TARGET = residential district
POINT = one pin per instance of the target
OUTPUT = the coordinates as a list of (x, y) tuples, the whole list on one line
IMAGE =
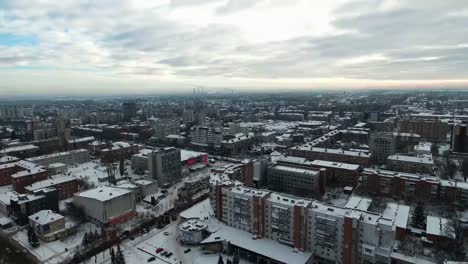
[(336, 177)]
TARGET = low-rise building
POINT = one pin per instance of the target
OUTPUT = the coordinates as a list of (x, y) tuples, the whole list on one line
[(24, 178), (47, 225), (106, 205), (65, 185)]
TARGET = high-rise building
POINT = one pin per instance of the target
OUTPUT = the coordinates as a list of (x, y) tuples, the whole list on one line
[(460, 138), (381, 146), (11, 112), (129, 110), (165, 166)]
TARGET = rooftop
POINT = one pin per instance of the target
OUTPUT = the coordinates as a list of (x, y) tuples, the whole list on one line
[(412, 159), (439, 226), (50, 182), (265, 247), (337, 165), (295, 170), (357, 202), (103, 193), (19, 148), (45, 217)]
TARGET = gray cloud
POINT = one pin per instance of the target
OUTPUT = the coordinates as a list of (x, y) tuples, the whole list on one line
[(369, 40)]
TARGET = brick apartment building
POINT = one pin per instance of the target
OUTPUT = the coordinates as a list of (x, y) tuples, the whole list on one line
[(334, 234), (400, 185), (24, 178), (65, 185), (117, 151), (431, 130), (337, 155)]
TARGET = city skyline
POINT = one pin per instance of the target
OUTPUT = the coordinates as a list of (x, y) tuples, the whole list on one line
[(138, 47)]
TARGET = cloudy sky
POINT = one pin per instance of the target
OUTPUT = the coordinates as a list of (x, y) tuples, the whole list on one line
[(144, 46)]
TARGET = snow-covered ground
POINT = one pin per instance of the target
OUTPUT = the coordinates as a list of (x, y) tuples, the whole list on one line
[(144, 247), (55, 251)]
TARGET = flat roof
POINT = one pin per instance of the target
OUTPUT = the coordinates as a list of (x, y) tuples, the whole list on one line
[(19, 148), (296, 170), (45, 217), (358, 202), (288, 200), (333, 151), (337, 165), (439, 226), (188, 154), (50, 182), (399, 212), (103, 193), (265, 247), (28, 172), (412, 159)]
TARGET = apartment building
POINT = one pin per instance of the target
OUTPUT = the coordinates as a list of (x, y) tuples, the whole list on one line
[(400, 185), (337, 155), (411, 164), (165, 166), (285, 220), (24, 178), (71, 157), (65, 185), (22, 152), (333, 234), (206, 136), (432, 130), (338, 173), (243, 208), (118, 151), (297, 181)]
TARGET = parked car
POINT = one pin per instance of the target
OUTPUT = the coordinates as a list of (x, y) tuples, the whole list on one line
[(159, 250), (151, 259), (187, 250)]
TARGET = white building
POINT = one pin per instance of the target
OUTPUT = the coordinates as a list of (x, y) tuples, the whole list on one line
[(106, 205)]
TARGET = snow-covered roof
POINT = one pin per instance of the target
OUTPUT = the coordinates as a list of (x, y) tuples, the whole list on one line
[(201, 210), (296, 170), (264, 246), (193, 225), (45, 217), (188, 154), (75, 151), (439, 226), (50, 182), (358, 202), (398, 212), (333, 151), (28, 172), (103, 193), (288, 200), (8, 158), (337, 165), (412, 159), (19, 148)]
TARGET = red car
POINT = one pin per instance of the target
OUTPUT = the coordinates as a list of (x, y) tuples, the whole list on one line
[(159, 250)]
